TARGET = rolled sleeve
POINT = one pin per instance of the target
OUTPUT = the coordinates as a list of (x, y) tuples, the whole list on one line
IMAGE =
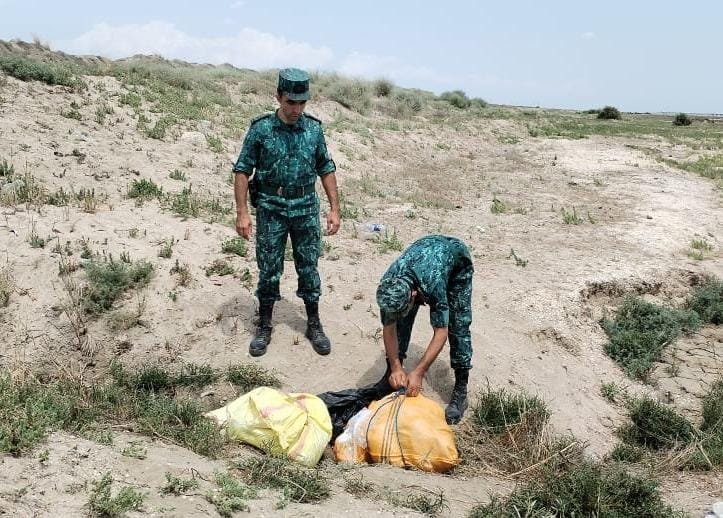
[(324, 164)]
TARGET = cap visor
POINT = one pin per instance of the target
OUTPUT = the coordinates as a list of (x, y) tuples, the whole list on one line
[(298, 97)]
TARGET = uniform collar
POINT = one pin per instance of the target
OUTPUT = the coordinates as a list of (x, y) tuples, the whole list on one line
[(299, 126)]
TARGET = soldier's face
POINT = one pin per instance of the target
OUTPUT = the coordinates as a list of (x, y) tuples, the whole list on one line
[(290, 111)]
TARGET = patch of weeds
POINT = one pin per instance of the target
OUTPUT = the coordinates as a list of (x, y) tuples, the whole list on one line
[(298, 484), (131, 99), (71, 113), (88, 200), (699, 249), (125, 257), (641, 330), (588, 489), (183, 273), (518, 260), (27, 69), (108, 280), (219, 267), (158, 130), (103, 504), (655, 426), (627, 453), (498, 206), (153, 378), (570, 218), (166, 250), (508, 432), (7, 287), (133, 232), (186, 203), (390, 242), (60, 198), (177, 485), (144, 189), (102, 111), (234, 245), (430, 504), (6, 168), (611, 391), (85, 252), (230, 496), (35, 240), (347, 210), (214, 143), (177, 174), (248, 376), (135, 450)]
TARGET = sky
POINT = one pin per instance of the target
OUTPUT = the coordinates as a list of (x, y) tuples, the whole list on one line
[(644, 55)]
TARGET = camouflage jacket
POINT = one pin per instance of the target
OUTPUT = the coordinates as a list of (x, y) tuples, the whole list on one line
[(428, 264), (285, 155)]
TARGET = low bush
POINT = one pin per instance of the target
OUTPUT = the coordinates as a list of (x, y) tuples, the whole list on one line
[(456, 98), (609, 112), (682, 119), (588, 489), (641, 330), (27, 69), (707, 301)]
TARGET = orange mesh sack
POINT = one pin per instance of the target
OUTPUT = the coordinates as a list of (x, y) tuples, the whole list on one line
[(411, 432)]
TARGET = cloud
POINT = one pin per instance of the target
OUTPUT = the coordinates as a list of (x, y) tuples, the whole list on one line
[(371, 66), (238, 4), (248, 48), (588, 35)]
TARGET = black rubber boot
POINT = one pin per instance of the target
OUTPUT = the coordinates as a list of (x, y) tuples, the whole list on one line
[(458, 404), (260, 342), (314, 330)]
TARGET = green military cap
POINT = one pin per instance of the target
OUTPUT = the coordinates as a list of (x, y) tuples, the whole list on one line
[(294, 83), (394, 296)]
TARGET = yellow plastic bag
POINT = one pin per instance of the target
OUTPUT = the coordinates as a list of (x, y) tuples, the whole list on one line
[(297, 425), (411, 432)]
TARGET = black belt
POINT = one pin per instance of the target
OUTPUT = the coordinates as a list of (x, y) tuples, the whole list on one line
[(287, 192)]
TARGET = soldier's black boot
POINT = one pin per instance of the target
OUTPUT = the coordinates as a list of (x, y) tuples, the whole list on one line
[(260, 342), (314, 331), (458, 404)]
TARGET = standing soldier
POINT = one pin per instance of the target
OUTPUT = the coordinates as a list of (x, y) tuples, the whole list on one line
[(286, 151), (434, 270)]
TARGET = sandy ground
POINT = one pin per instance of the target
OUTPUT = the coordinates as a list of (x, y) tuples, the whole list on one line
[(535, 327)]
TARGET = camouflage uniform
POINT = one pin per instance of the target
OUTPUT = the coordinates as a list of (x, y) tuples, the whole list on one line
[(440, 269), (287, 159)]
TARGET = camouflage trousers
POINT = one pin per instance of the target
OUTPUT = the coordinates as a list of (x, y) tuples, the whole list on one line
[(459, 298), (272, 231)]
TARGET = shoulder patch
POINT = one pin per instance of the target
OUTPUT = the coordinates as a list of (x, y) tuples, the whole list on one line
[(312, 117), (261, 117)]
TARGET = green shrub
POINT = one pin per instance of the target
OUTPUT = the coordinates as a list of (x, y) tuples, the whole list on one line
[(144, 189), (640, 331), (248, 376), (589, 489), (27, 69), (383, 87), (299, 484), (108, 280), (682, 119), (655, 426), (707, 301), (456, 98), (609, 112), (234, 245), (497, 410), (351, 94), (103, 504), (627, 453)]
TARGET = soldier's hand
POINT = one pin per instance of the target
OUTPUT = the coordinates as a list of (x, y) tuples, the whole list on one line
[(398, 379), (244, 225), (333, 221), (414, 383)]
